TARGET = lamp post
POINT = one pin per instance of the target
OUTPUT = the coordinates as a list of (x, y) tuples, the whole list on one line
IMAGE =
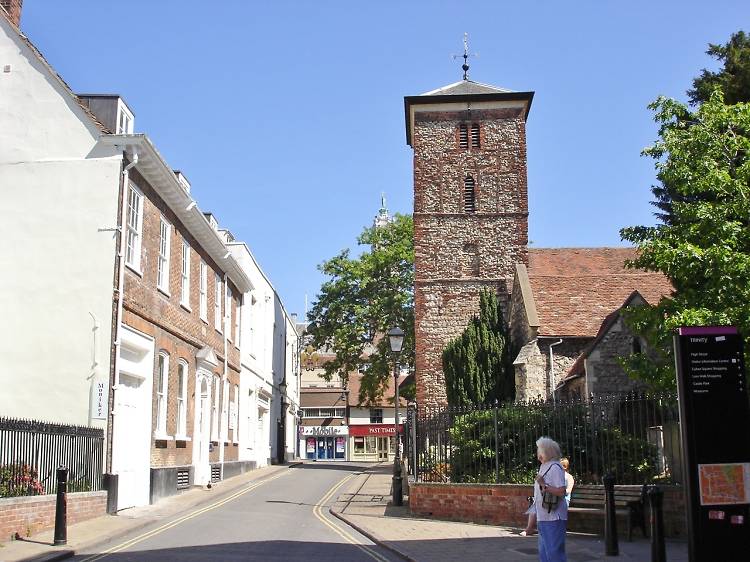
[(396, 340), (281, 429)]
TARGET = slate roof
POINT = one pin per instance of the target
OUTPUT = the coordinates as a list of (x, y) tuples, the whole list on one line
[(321, 397), (576, 288), (464, 87)]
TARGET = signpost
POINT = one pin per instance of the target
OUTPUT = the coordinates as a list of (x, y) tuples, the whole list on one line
[(715, 428)]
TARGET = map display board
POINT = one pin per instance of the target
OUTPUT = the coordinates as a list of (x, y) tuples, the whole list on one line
[(715, 430)]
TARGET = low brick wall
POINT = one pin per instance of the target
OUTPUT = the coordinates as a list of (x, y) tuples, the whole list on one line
[(29, 515), (504, 504)]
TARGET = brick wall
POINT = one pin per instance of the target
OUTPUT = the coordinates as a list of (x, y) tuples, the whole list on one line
[(505, 504), (29, 515), (177, 328), (458, 253)]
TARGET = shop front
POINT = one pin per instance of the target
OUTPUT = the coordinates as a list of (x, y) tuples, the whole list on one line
[(373, 442), (323, 442)]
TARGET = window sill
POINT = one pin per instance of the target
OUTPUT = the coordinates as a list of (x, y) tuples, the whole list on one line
[(163, 437), (186, 307), (182, 438), (164, 292), (134, 269), (204, 320)]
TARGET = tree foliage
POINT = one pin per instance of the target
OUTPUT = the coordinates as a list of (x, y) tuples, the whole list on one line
[(734, 80), (361, 300), (705, 248), (476, 364), (734, 76)]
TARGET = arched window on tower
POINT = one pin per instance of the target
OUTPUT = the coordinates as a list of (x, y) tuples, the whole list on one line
[(463, 136), (469, 194), (474, 135)]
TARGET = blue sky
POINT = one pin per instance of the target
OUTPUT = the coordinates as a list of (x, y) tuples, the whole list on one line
[(287, 117)]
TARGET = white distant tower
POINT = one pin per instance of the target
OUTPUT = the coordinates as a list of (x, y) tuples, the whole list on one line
[(382, 218)]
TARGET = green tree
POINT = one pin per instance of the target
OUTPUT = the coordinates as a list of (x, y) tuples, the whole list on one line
[(361, 300), (705, 249), (475, 364), (734, 80), (734, 76)]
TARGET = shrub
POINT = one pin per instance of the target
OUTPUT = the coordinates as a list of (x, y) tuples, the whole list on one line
[(19, 480)]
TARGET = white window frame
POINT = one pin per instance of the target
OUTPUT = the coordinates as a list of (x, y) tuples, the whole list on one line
[(124, 120), (228, 310), (185, 275), (218, 297), (215, 411), (182, 383), (236, 434), (203, 288), (162, 268), (162, 394), (237, 323), (134, 228), (225, 411)]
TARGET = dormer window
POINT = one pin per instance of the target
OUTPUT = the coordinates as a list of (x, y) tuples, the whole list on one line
[(474, 135), (124, 120), (469, 194), (463, 136)]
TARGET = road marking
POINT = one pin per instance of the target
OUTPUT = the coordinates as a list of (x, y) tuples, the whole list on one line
[(318, 512), (182, 519)]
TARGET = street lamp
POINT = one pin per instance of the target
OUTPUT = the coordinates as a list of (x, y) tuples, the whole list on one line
[(396, 340)]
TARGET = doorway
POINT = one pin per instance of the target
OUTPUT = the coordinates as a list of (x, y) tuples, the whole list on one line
[(382, 448), (202, 428)]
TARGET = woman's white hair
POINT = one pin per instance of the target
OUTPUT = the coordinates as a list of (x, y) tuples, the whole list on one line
[(549, 448)]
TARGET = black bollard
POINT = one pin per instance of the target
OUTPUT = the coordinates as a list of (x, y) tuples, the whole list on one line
[(61, 507), (397, 483), (611, 547), (655, 502)]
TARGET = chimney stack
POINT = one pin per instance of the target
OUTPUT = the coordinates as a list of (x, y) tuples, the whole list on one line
[(13, 7)]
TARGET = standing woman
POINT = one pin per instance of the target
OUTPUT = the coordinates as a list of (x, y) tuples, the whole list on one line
[(551, 508)]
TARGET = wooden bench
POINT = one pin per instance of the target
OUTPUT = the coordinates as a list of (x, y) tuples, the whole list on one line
[(629, 502)]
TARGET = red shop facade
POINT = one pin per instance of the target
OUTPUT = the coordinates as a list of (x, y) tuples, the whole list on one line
[(373, 442)]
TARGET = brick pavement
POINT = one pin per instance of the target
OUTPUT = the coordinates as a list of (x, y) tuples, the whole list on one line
[(367, 508)]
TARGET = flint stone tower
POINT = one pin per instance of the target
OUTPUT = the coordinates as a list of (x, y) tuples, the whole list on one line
[(470, 211)]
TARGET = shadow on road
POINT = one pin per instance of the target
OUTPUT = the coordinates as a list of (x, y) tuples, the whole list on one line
[(324, 465)]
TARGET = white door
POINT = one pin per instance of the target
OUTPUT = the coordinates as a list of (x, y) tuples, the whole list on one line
[(131, 442), (201, 436)]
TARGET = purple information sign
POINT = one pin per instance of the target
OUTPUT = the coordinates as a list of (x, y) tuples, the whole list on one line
[(706, 330)]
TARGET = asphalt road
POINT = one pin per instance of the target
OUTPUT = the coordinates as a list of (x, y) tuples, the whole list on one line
[(282, 518)]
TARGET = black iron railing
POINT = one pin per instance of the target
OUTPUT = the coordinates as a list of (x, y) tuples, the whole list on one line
[(634, 437), (31, 451)]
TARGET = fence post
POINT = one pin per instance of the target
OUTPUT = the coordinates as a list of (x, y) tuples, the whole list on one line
[(611, 548), (61, 507), (497, 449), (655, 499)]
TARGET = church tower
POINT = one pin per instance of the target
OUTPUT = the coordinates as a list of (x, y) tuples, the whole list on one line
[(470, 211)]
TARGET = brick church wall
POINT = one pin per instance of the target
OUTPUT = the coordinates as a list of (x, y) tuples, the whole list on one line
[(457, 253)]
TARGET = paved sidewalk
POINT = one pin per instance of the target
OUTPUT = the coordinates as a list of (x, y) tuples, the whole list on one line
[(88, 534), (367, 508)]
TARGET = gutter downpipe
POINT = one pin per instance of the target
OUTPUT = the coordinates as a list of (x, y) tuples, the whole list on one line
[(225, 380), (125, 181), (552, 370)]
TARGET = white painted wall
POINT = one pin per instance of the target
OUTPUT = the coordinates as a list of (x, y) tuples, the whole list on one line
[(57, 268), (361, 416)]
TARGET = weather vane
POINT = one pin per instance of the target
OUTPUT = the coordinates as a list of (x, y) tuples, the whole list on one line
[(466, 55)]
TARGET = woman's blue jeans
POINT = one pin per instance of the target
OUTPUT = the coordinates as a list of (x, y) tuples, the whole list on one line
[(552, 540)]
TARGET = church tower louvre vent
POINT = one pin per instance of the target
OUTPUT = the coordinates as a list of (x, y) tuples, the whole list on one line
[(469, 195), (475, 136), (463, 136)]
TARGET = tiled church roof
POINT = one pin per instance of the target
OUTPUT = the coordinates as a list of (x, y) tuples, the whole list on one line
[(576, 288)]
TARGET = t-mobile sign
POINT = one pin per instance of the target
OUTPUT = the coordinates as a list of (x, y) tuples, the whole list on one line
[(715, 426)]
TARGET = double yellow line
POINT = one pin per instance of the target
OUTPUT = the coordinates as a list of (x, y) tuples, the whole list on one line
[(196, 513), (318, 512)]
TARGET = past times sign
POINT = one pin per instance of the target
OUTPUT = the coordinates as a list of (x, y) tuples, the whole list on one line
[(323, 430), (714, 419), (381, 430)]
